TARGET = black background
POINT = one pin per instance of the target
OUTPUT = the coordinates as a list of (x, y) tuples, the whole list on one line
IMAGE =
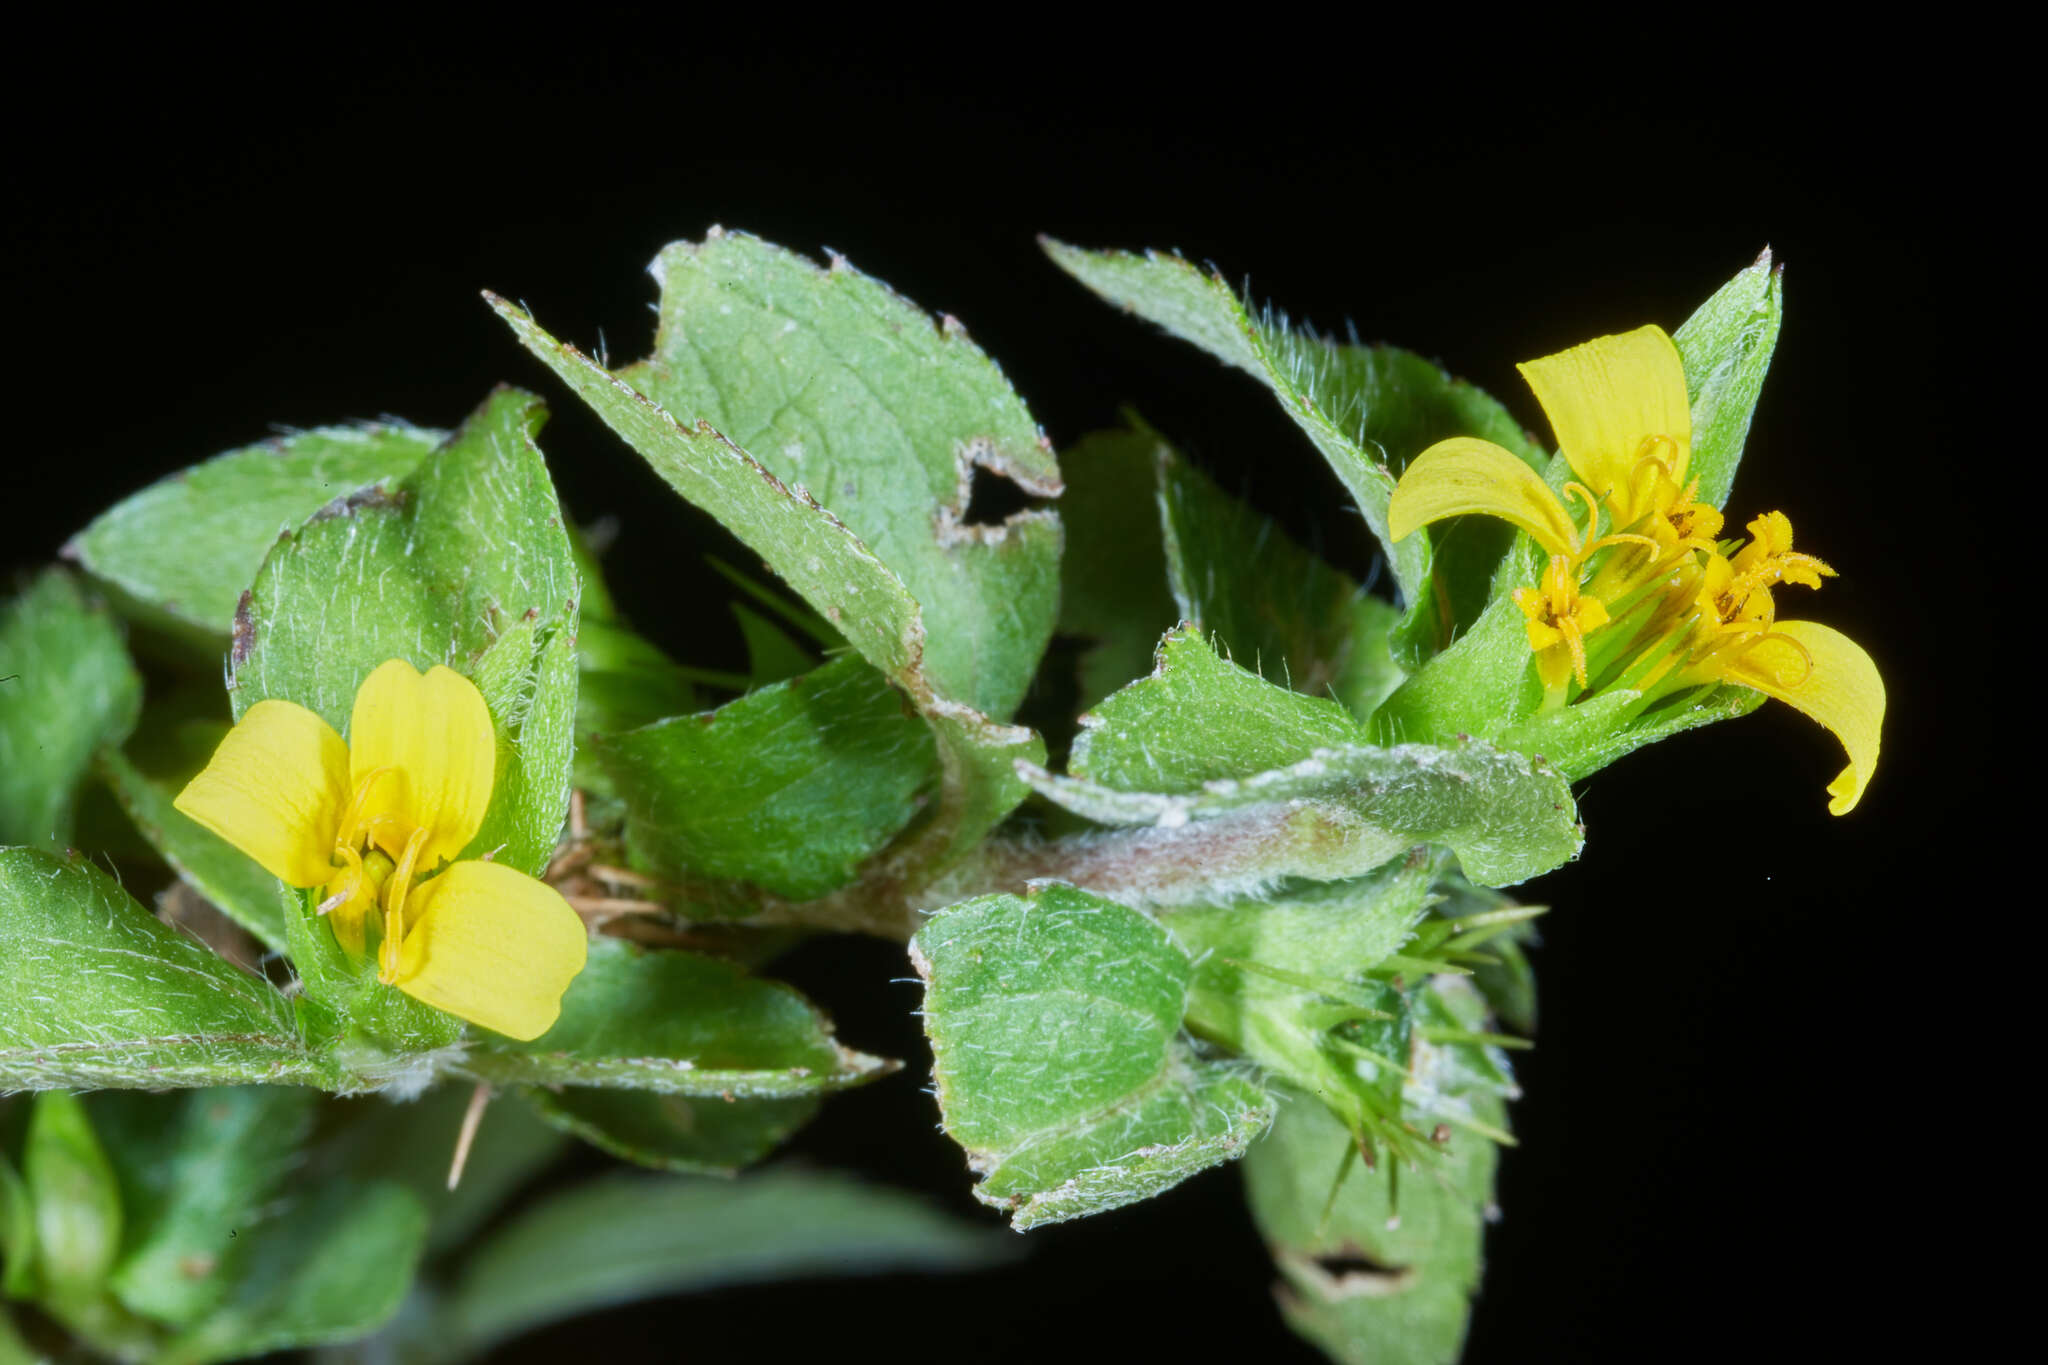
[(1727, 1138)]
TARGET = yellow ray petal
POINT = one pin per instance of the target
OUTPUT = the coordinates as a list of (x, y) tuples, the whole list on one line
[(1609, 397), (275, 789), (493, 946), (1463, 475), (433, 732), (1841, 690)]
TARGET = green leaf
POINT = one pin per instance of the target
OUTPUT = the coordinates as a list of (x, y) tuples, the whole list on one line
[(1113, 577), (226, 876), (1199, 718), (1268, 601), (17, 1235), (771, 654), (1055, 1026), (412, 1143), (197, 1171), (836, 383), (1366, 1286), (187, 546), (696, 1135), (682, 1024), (66, 689), (1368, 409), (94, 991), (960, 668), (1726, 347), (330, 1265), (1205, 740), (627, 1237), (789, 788), (76, 1198)]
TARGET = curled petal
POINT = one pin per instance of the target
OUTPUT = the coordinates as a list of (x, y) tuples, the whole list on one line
[(431, 734), (1827, 675), (491, 945), (1614, 400), (1462, 475), (275, 789)]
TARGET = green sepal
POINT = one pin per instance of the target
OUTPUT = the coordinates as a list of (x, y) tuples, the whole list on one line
[(76, 1201), (1726, 347)]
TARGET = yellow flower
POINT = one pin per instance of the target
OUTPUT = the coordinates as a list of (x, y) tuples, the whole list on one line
[(1670, 609), (372, 820), (1559, 619)]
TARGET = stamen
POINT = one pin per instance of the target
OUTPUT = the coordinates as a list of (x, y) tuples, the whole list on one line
[(351, 832), (354, 860), (395, 891)]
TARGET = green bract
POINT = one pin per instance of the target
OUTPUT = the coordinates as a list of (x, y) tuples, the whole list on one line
[(1238, 901)]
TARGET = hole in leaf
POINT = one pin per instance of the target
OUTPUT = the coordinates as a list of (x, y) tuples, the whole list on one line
[(993, 499)]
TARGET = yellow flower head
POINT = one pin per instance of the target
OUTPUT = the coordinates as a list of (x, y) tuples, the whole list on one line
[(1663, 608), (372, 820)]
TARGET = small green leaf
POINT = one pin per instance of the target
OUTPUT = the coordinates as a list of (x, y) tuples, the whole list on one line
[(1113, 577), (1726, 346), (693, 1135), (1199, 718), (330, 1265), (1055, 1026), (95, 991), (187, 546), (76, 1198), (1269, 602), (226, 876), (1365, 1285), (1368, 409), (789, 788), (682, 1024), (197, 1171), (66, 689), (627, 1237)]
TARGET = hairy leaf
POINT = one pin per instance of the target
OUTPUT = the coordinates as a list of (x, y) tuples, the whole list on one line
[(1055, 1026), (188, 545), (679, 1023), (1113, 578), (789, 788), (1268, 602), (66, 689), (95, 991)]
